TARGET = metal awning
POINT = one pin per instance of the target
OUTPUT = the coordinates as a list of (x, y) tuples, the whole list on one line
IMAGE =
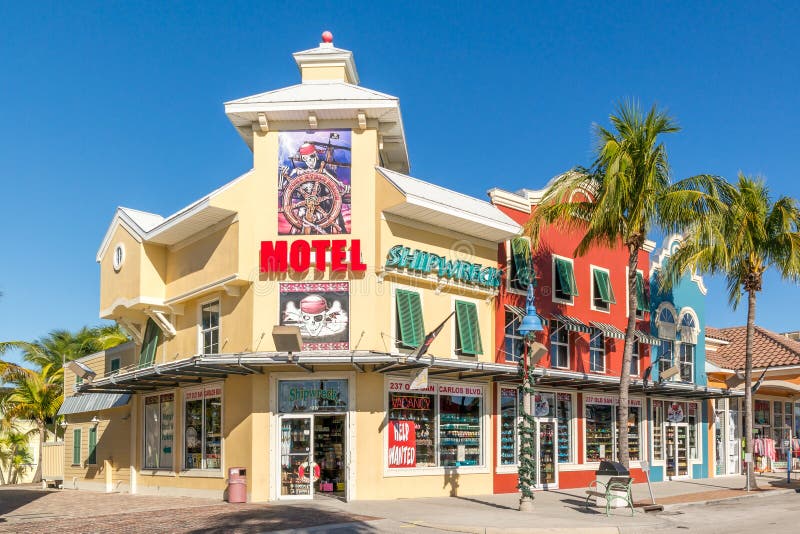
[(571, 323), (516, 310), (648, 339), (609, 330), (93, 402)]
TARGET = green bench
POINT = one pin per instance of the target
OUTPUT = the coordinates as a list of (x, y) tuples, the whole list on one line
[(615, 488)]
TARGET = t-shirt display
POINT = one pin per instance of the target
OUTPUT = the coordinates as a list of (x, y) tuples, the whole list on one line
[(459, 430)]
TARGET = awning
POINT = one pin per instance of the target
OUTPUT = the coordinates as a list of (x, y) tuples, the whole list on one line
[(609, 330), (516, 310), (93, 402), (571, 323), (648, 339)]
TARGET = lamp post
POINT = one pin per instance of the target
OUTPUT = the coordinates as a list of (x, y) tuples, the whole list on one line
[(533, 352)]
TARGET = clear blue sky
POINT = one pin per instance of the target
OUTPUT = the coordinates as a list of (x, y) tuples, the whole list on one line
[(120, 103)]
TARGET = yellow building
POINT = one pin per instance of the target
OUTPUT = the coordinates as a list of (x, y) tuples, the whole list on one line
[(329, 235)]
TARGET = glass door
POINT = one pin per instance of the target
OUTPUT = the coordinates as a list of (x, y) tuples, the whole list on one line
[(298, 470), (547, 438), (681, 449)]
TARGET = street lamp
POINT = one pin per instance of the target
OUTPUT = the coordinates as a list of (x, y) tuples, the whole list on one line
[(534, 352)]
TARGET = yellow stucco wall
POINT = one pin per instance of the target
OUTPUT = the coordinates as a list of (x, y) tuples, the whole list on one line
[(125, 284)]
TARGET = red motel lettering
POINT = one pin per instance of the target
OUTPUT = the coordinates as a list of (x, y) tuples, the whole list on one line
[(278, 256)]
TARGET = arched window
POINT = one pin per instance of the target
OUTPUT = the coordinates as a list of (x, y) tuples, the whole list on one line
[(665, 321)]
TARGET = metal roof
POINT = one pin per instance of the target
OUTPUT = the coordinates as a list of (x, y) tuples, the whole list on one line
[(93, 402)]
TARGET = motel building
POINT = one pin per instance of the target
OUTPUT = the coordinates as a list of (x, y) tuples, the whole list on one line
[(275, 321)]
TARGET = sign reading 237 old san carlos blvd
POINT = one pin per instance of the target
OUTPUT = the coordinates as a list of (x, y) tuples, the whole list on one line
[(419, 261)]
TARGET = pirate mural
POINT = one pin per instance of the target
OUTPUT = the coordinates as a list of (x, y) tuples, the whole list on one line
[(314, 182), (321, 310)]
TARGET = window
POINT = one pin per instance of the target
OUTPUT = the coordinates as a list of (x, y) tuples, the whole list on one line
[(209, 330), (601, 428), (635, 358), (666, 355), (468, 335), (76, 446), (418, 408), (597, 351), (409, 319), (203, 428), (149, 344), (687, 362), (602, 292), (634, 420), (115, 362), (564, 286), (78, 380), (119, 257), (564, 415), (692, 419), (508, 426), (559, 345), (459, 430), (688, 329), (658, 431), (665, 321), (92, 458), (514, 344), (642, 305), (159, 419), (520, 266)]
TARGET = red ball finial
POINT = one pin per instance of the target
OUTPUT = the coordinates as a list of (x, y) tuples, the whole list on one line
[(327, 37)]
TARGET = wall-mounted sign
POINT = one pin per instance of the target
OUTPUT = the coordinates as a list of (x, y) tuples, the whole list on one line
[(321, 310), (402, 444), (610, 401), (312, 396), (401, 257), (675, 412), (278, 256)]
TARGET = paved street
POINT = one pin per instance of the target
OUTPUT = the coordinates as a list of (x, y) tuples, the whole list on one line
[(29, 509)]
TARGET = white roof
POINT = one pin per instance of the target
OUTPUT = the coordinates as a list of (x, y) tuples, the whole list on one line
[(445, 208)]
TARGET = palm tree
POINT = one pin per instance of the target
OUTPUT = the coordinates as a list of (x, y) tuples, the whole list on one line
[(752, 235), (630, 190), (15, 454)]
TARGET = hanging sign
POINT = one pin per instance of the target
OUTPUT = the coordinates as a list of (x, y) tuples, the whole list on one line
[(400, 257), (420, 380), (402, 444), (675, 412)]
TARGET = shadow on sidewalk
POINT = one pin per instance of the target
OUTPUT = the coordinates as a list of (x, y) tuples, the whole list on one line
[(486, 503), (13, 498)]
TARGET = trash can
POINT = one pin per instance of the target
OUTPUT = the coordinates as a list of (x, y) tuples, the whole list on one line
[(607, 470), (237, 484)]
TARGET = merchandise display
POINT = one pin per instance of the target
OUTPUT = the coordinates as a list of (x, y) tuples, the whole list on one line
[(599, 432), (564, 412), (329, 453), (547, 466), (508, 426), (419, 409), (295, 453), (459, 431)]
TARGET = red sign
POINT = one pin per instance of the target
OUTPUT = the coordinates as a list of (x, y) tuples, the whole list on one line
[(402, 444), (277, 256)]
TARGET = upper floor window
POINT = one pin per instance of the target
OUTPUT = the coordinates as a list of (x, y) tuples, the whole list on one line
[(115, 363), (687, 362), (564, 286), (665, 321), (520, 264), (597, 351), (209, 331), (635, 358), (666, 355), (409, 319), (642, 305), (559, 345), (688, 328), (468, 333), (602, 292), (149, 344), (514, 342)]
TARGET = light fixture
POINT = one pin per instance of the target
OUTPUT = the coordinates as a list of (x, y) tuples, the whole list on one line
[(287, 339), (95, 421), (81, 370), (531, 322), (63, 424)]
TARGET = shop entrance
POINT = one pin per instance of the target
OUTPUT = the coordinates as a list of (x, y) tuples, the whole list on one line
[(313, 456), (677, 435), (546, 439)]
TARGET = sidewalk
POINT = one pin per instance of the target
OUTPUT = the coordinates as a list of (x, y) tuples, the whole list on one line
[(555, 511)]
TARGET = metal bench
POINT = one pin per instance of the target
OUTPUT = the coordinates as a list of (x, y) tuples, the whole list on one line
[(615, 488)]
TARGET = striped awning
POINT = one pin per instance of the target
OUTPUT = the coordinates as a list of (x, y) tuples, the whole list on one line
[(516, 310), (93, 402), (571, 323), (609, 330), (646, 338)]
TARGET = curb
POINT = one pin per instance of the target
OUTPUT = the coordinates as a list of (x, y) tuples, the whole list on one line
[(758, 495), (516, 530)]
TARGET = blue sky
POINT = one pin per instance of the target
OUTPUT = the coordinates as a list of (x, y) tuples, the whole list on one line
[(114, 103)]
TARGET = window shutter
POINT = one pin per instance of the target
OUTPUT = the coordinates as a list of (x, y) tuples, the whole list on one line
[(469, 333), (92, 446), (566, 277), (641, 303), (409, 314), (76, 446), (521, 251), (604, 287), (149, 344)]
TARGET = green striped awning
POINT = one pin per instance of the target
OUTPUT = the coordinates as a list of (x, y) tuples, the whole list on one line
[(609, 330), (516, 310), (571, 323), (648, 339)]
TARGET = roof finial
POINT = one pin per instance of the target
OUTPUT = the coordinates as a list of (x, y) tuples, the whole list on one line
[(327, 37)]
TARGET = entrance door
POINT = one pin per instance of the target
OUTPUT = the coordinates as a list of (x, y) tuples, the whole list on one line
[(329, 455), (676, 449), (547, 437), (297, 469)]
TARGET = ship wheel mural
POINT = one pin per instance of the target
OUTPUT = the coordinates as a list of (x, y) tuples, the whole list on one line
[(314, 183)]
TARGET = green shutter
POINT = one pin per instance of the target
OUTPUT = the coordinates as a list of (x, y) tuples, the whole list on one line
[(148, 354), (76, 446), (469, 333), (566, 277), (641, 302), (115, 364), (409, 315), (92, 446), (604, 287), (521, 252)]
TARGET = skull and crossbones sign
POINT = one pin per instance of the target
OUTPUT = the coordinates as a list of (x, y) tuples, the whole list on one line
[(315, 318)]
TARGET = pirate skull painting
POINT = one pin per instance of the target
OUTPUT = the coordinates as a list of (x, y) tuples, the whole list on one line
[(321, 310)]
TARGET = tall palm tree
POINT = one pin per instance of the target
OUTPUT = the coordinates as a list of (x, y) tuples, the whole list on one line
[(629, 192), (741, 243)]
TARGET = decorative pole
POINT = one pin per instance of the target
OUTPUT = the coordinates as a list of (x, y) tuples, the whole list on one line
[(528, 475)]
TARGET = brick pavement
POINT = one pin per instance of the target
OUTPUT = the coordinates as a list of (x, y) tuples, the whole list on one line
[(26, 509)]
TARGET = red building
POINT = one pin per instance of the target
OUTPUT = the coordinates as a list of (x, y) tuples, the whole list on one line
[(583, 303)]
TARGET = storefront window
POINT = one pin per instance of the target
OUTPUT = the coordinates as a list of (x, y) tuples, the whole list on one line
[(564, 414), (159, 419), (601, 434), (297, 396), (203, 434), (761, 413), (658, 431), (459, 430), (691, 418), (419, 409), (508, 426), (634, 420)]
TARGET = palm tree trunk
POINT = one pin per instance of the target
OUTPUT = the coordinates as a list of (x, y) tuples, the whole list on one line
[(748, 384), (623, 454), (42, 437)]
